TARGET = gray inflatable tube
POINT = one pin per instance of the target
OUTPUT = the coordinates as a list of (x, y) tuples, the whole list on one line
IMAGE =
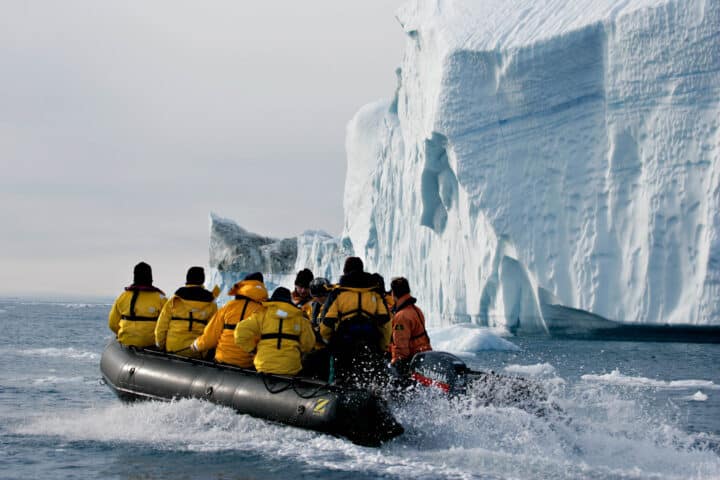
[(358, 415)]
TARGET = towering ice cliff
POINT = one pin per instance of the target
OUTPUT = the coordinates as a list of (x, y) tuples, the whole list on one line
[(536, 153), (547, 152)]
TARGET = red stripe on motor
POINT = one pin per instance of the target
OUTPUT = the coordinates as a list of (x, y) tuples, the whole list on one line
[(428, 382)]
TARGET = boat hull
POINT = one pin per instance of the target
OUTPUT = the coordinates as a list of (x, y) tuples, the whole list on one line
[(361, 416)]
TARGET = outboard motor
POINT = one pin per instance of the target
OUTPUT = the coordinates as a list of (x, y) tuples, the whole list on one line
[(440, 370)]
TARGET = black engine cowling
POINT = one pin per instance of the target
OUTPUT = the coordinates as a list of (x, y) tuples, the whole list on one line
[(441, 370)]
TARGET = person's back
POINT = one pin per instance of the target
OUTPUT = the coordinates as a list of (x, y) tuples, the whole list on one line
[(356, 314), (185, 315), (408, 326), (278, 334), (219, 332), (135, 312), (355, 324)]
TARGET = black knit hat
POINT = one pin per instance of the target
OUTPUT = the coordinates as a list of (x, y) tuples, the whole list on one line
[(142, 274), (353, 264), (195, 276), (281, 294), (255, 276), (399, 286), (303, 278)]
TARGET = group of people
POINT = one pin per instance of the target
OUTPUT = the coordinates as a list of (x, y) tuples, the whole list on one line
[(342, 332)]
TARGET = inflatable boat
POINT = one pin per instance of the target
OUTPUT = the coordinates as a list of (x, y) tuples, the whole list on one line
[(358, 415)]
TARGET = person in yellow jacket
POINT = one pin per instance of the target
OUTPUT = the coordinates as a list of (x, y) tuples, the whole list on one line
[(249, 294), (279, 333), (356, 325), (135, 312), (185, 315), (316, 364)]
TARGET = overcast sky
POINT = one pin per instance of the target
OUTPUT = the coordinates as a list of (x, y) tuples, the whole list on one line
[(124, 124)]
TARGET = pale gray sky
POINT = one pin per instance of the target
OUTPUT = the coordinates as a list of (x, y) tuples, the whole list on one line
[(123, 124)]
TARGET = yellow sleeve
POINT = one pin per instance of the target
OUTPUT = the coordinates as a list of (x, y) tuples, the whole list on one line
[(163, 322), (213, 330), (212, 310), (327, 326), (114, 316), (307, 336), (247, 332), (382, 312)]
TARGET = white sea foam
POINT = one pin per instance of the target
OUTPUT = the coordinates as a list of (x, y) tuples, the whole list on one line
[(468, 339), (608, 438), (71, 305), (617, 378), (68, 352), (50, 380), (84, 305), (696, 397), (537, 370)]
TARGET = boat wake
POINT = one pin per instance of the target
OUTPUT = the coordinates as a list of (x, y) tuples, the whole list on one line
[(597, 432)]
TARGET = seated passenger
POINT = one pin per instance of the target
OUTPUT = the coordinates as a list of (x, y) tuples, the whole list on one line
[(279, 333), (135, 312), (249, 294), (379, 282), (185, 315), (319, 290), (408, 326), (301, 293), (356, 327), (316, 364)]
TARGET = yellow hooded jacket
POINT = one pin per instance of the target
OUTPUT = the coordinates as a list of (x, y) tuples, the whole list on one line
[(351, 302), (134, 314), (218, 334), (183, 319), (279, 333)]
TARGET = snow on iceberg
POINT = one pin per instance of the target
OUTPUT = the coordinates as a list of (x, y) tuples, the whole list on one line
[(546, 152)]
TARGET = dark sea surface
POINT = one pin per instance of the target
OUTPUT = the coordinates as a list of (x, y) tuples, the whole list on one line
[(627, 410)]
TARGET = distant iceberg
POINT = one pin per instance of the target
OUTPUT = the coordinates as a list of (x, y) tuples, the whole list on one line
[(235, 252)]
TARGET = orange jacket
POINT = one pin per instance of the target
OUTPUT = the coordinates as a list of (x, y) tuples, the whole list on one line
[(408, 327), (219, 332)]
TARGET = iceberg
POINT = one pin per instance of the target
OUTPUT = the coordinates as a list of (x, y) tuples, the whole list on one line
[(540, 162), (235, 252), (544, 153)]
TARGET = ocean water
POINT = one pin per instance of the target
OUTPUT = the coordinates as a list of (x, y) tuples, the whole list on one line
[(627, 410)]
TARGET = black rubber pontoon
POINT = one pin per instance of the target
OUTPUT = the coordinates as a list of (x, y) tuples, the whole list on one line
[(360, 416)]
